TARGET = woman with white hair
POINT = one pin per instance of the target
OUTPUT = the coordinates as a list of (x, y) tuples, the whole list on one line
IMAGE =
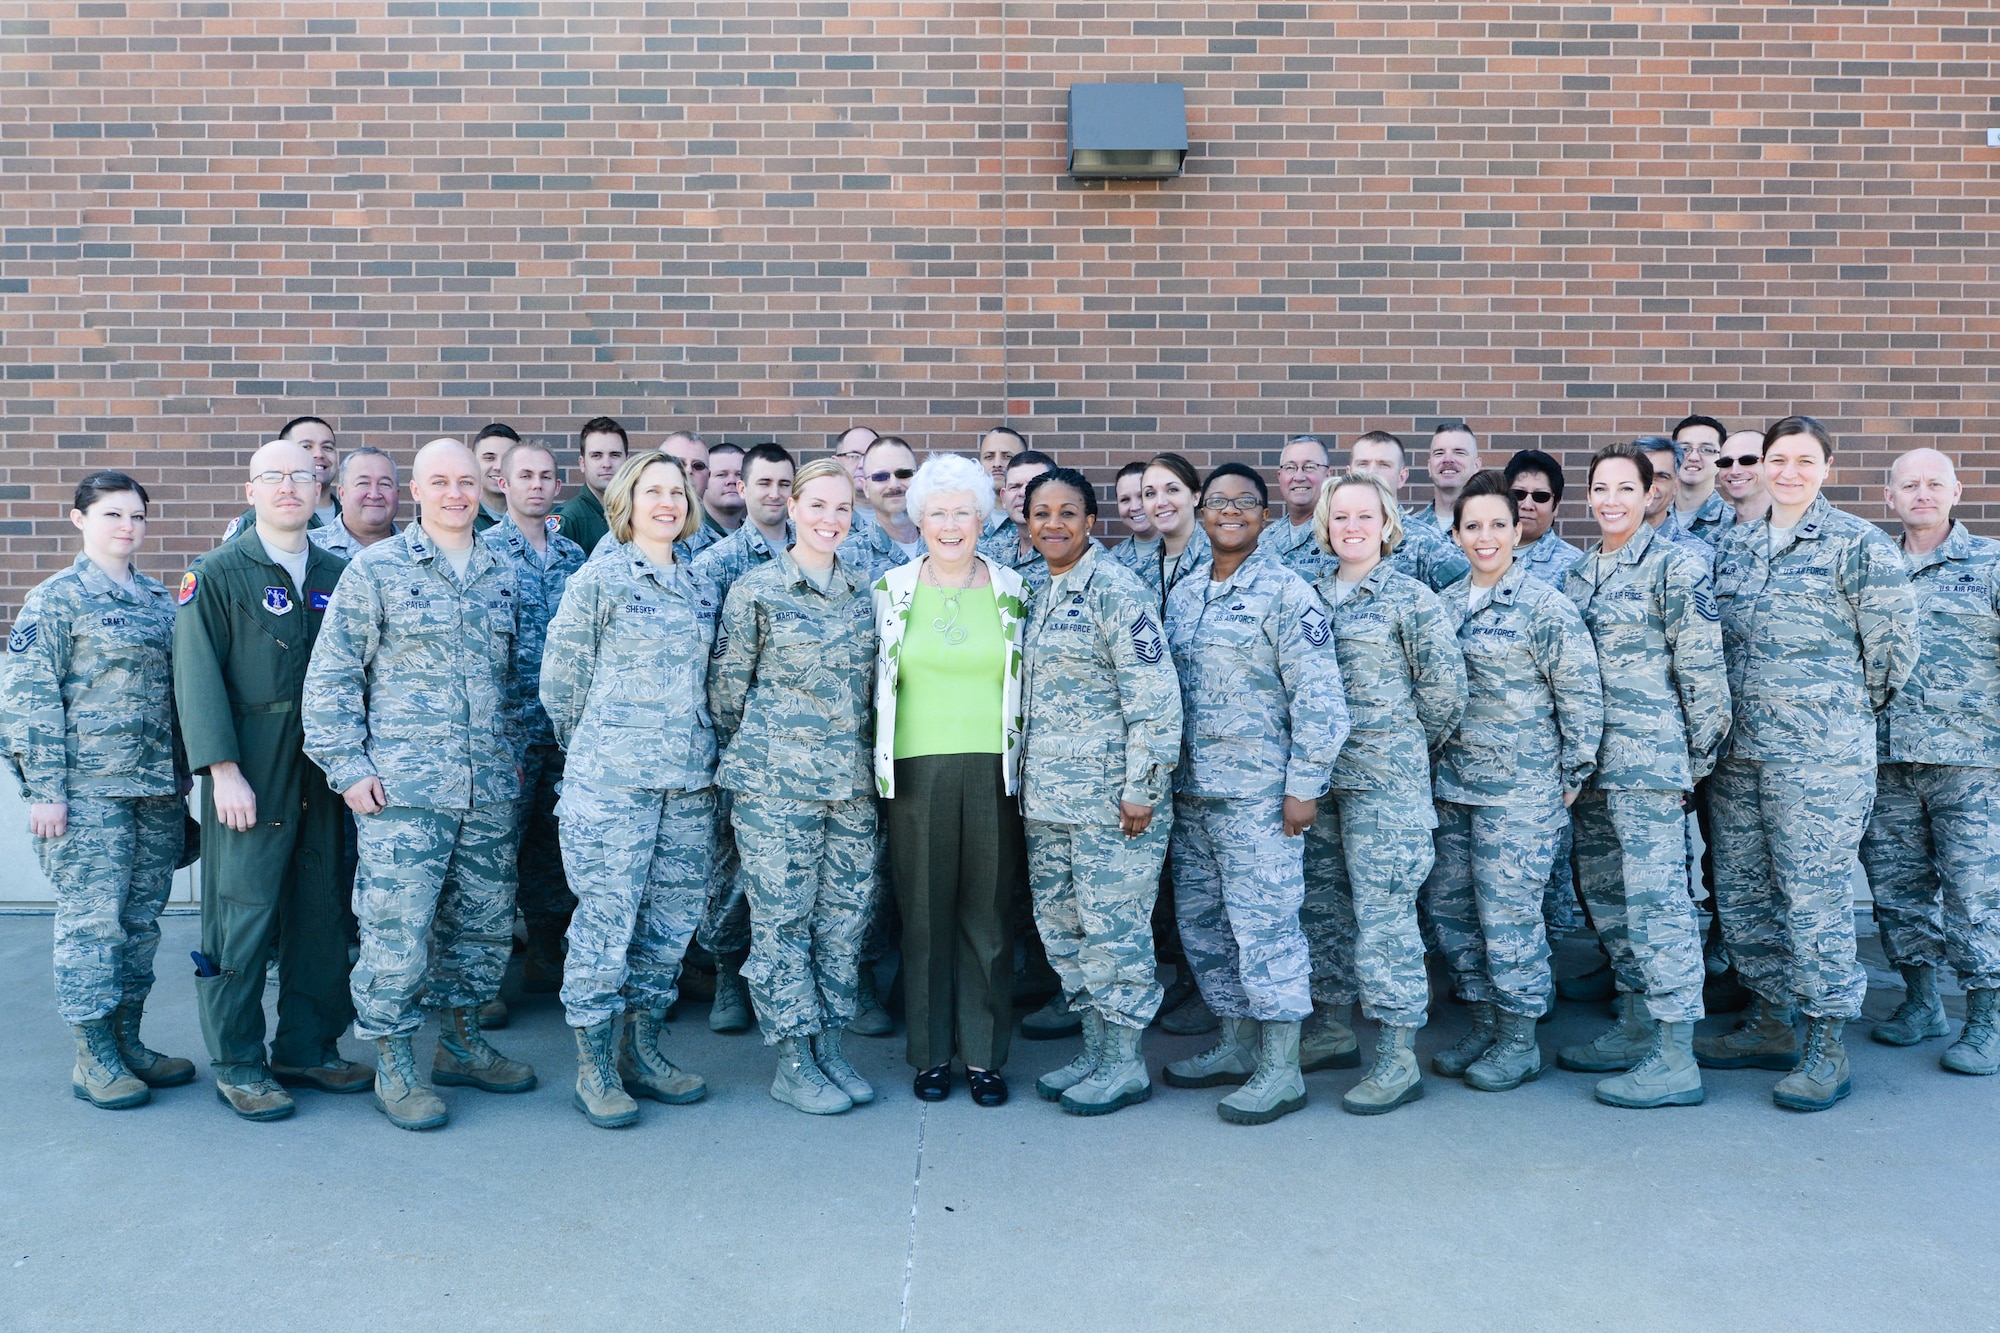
[(947, 752)]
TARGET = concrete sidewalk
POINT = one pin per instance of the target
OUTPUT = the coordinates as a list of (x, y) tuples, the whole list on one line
[(1530, 1210)]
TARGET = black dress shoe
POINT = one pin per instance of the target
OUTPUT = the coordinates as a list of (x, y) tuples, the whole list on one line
[(988, 1088), (934, 1085)]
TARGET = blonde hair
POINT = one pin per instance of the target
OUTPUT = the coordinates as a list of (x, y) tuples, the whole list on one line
[(1392, 517), (618, 496), (822, 467)]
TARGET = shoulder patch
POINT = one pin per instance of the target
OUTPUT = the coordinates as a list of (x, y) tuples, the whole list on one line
[(552, 524), (190, 584), (1315, 627), (1704, 602), (1146, 640), (235, 526), (721, 641), (24, 636)]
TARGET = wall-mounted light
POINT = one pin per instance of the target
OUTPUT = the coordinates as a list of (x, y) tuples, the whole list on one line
[(1127, 131)]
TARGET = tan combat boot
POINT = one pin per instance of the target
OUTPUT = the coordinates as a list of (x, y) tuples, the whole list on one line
[(1052, 1085), (1277, 1088), (600, 1095), (101, 1077), (465, 1059), (1763, 1040), (832, 1062), (646, 1070), (1822, 1076), (1119, 1079), (400, 1091), (1328, 1042), (1622, 1045), (1456, 1058), (154, 1070), (1233, 1059), (1396, 1077)]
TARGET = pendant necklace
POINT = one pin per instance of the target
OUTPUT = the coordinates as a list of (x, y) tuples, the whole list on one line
[(947, 624)]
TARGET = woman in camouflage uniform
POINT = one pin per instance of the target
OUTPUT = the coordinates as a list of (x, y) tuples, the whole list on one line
[(89, 706)]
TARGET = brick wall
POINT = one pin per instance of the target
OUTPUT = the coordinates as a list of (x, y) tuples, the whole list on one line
[(1563, 222)]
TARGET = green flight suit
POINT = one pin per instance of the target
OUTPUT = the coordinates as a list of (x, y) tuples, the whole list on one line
[(242, 638), (582, 520)]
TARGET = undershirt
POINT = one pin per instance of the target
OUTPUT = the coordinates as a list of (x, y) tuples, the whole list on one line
[(1342, 589), (293, 563), (1781, 537), (821, 578), (460, 561), (326, 514), (1476, 597)]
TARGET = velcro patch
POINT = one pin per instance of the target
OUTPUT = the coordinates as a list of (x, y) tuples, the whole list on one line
[(317, 601), (1146, 641), (189, 585), (1704, 604), (24, 636), (721, 641), (1315, 627), (277, 601), (552, 525)]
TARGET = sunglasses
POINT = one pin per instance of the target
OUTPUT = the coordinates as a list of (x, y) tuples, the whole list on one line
[(900, 474), (1539, 497), (1747, 460)]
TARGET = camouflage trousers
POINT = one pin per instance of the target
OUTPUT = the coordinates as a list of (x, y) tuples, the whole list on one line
[(1366, 857), (434, 896), (640, 862), (725, 926), (809, 876), (1932, 852), (544, 897), (1093, 890), (1238, 885), (112, 870), (1786, 836), (1631, 855), (1485, 896), (1560, 911)]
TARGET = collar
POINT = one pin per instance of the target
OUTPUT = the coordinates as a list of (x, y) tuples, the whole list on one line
[(796, 576), (98, 584), (666, 576), (420, 548), (1245, 573), (1508, 589), (1078, 576), (1957, 545)]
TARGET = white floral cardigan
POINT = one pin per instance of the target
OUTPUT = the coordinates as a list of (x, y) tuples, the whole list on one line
[(894, 594)]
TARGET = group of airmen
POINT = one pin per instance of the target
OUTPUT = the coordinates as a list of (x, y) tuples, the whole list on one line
[(1296, 747)]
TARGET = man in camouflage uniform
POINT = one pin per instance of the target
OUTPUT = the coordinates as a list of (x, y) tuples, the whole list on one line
[(316, 438), (884, 535), (1932, 845), (1425, 553), (413, 709), (1700, 510), (1533, 718), (1820, 626), (1263, 720), (1666, 458), (370, 497), (1103, 712), (1452, 462), (272, 873), (543, 560), (1008, 542), (1653, 619), (725, 928), (87, 707), (1302, 467), (790, 687)]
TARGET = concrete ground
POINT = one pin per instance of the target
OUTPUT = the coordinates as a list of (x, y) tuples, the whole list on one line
[(1529, 1210)]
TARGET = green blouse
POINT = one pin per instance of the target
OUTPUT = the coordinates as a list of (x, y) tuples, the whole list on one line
[(948, 695)]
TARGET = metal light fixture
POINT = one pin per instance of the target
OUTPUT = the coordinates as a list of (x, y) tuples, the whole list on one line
[(1127, 131)]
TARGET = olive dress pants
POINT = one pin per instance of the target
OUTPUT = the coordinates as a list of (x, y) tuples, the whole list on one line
[(956, 853)]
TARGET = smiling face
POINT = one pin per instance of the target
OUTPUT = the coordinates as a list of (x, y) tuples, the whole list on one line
[(1795, 467), (530, 480), (951, 525), (1059, 524), (886, 479), (767, 489), (1923, 488), (1232, 514), (1702, 446), (316, 438), (1301, 470), (369, 496), (1617, 499), (1454, 458), (996, 448), (445, 484), (1132, 505), (693, 457), (1170, 503), (823, 513), (1535, 496), (1354, 522), (1487, 533), (1739, 472), (660, 504), (113, 527), (489, 450)]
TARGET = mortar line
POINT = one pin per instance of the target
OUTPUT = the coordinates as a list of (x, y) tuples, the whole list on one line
[(916, 1186)]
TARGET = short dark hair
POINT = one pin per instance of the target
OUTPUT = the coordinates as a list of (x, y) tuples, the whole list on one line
[(1019, 438), (1721, 431), (1383, 437), (896, 440), (1136, 468), (601, 426), (1182, 469), (1454, 428), (1064, 476), (1534, 460), (497, 428), (100, 484), (1243, 470), (1631, 453), (724, 448), (1030, 458), (285, 431), (1799, 425), (770, 451), (1487, 481)]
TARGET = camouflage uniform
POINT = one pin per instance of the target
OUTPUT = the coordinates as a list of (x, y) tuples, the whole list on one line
[(1263, 719), (1534, 715), (1932, 846), (1547, 558), (622, 683), (1366, 858), (1136, 555), (1427, 553), (1291, 544), (1818, 638), (1103, 711), (1652, 615), (412, 682), (336, 538), (790, 686), (543, 895), (725, 928), (1003, 545), (870, 548), (87, 704), (1671, 529), (1714, 517), (1152, 566)]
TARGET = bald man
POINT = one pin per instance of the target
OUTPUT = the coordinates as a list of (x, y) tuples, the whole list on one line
[(1932, 844), (271, 835), (413, 708)]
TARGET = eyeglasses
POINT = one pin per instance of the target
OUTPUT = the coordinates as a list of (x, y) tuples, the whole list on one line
[(1746, 460), (1710, 450), (852, 455), (1539, 497), (1241, 504), (900, 474), (299, 479), (1300, 469)]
